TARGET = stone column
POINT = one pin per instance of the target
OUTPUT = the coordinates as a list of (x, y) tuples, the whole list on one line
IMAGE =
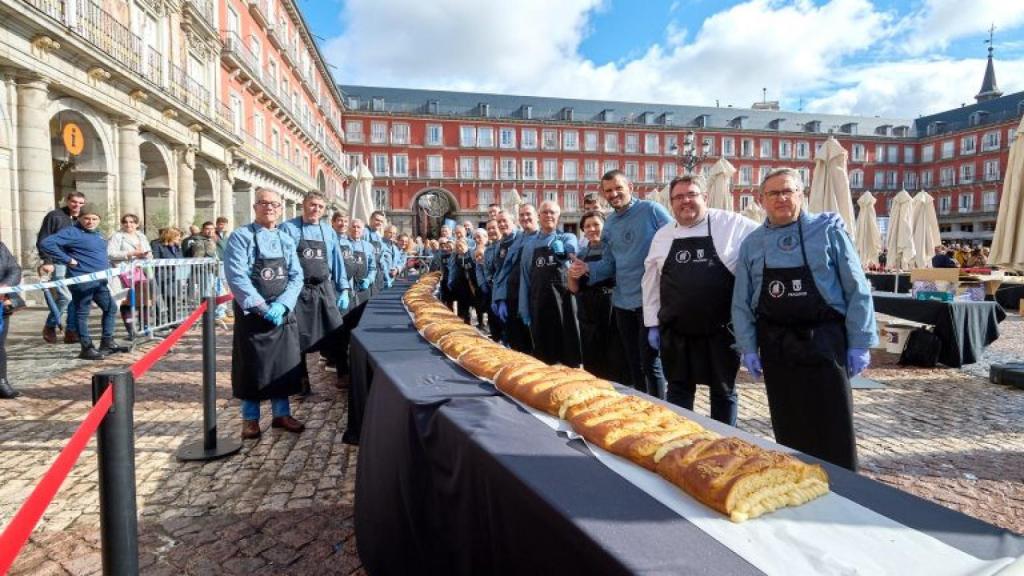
[(186, 187), (227, 199), (129, 177), (35, 169), (245, 196)]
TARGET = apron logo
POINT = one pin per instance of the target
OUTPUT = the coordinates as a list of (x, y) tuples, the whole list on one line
[(798, 285), (308, 253), (683, 256), (540, 262), (787, 243), (267, 273), (628, 237), (700, 253), (776, 289)]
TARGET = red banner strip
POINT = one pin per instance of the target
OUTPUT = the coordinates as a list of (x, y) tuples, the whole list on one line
[(142, 365), (24, 522)]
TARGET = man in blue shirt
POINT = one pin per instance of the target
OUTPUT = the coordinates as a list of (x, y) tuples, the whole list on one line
[(507, 279), (626, 238), (488, 271), (802, 313), (82, 249), (325, 288), (265, 276), (375, 235), (545, 304)]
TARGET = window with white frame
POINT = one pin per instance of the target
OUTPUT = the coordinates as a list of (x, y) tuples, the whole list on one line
[(571, 198), (611, 142), (651, 171), (529, 138), (400, 163), (1011, 134), (287, 149), (762, 172), (530, 197), (259, 128), (380, 198), (893, 156), (892, 179), (378, 132), (508, 168), (746, 175), (651, 144), (570, 170), (590, 141), (908, 154), (435, 166), (354, 160), (879, 153), (969, 144), (879, 179), (275, 139), (945, 203), (570, 140), (856, 179), (550, 169), (967, 173), (745, 201), (551, 196), (948, 148), (991, 170), (989, 201), (857, 153), (354, 131), (484, 137), (805, 177), (507, 138), (632, 145), (747, 147), (672, 141), (927, 179), (590, 168), (766, 148), (237, 113), (910, 180), (947, 176), (609, 165), (467, 168), (485, 168), (803, 150), (381, 165), (785, 149), (467, 136), (435, 135), (549, 139), (990, 141), (399, 133), (728, 147), (484, 198), (966, 202), (632, 170), (668, 171), (529, 168), (708, 143), (928, 153)]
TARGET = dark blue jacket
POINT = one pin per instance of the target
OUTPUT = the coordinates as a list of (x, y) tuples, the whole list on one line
[(89, 249)]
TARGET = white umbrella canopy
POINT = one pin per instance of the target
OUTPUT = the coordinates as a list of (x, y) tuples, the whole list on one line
[(868, 238), (510, 202), (900, 242), (720, 185), (1008, 242), (755, 212), (926, 229), (362, 198), (830, 185)]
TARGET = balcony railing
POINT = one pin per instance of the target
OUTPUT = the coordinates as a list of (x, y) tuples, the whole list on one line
[(154, 68), (204, 8), (260, 11), (235, 50), (188, 91), (103, 31), (52, 8)]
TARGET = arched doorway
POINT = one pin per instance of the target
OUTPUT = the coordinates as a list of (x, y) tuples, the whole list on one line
[(83, 167), (156, 188), (206, 204), (430, 209)]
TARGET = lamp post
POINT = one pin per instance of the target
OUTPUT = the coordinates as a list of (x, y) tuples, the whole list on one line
[(688, 156)]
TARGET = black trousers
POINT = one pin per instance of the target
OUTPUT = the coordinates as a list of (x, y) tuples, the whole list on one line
[(643, 362), (3, 346), (344, 338)]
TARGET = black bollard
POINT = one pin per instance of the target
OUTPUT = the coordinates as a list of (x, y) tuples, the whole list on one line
[(115, 450), (211, 447)]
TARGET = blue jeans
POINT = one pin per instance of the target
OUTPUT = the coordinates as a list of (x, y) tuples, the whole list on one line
[(63, 299), (278, 407), (82, 297), (643, 362)]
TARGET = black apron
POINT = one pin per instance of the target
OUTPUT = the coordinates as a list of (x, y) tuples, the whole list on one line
[(357, 268), (447, 296), (265, 359), (696, 307), (317, 307), (556, 337), (601, 346), (464, 285), (379, 281), (802, 341), (517, 335)]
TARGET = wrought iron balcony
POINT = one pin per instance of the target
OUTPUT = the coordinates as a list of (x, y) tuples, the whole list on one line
[(201, 13), (260, 10), (238, 56)]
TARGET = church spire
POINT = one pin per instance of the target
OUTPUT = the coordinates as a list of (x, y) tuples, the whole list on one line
[(989, 88)]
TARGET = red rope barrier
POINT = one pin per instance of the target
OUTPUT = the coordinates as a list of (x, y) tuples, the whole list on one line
[(142, 365), (224, 298), (24, 522)]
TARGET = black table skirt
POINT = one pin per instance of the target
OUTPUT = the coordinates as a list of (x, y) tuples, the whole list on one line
[(1009, 296), (453, 479), (964, 328), (887, 282)]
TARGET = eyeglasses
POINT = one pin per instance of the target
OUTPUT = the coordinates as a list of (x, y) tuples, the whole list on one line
[(266, 204), (688, 196), (784, 193)]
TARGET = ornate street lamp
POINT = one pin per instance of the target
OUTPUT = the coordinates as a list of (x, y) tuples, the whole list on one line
[(687, 156)]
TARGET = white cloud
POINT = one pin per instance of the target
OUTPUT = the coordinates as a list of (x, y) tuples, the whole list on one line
[(797, 50)]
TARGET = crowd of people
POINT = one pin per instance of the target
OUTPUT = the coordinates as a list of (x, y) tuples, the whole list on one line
[(956, 255)]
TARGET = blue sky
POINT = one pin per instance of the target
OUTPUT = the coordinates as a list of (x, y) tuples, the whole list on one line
[(896, 58)]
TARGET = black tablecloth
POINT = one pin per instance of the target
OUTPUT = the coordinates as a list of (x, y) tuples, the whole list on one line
[(965, 328), (887, 282), (453, 479), (1009, 296)]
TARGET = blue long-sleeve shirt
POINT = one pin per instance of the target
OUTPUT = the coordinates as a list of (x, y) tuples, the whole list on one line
[(834, 265), (89, 249), (510, 265), (627, 238), (526, 262), (240, 256), (365, 247), (298, 229), (384, 256), (398, 257)]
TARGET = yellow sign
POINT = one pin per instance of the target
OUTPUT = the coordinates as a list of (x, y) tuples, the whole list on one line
[(74, 139)]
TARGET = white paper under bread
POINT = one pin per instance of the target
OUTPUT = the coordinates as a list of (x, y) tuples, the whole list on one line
[(828, 535)]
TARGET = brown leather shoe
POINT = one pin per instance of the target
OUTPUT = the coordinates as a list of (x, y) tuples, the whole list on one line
[(288, 423), (250, 429), (70, 337), (50, 334)]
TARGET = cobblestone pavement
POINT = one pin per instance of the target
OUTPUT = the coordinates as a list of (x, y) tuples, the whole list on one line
[(284, 505)]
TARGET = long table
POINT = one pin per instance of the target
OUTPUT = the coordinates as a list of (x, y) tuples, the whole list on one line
[(964, 328), (454, 479), (882, 282)]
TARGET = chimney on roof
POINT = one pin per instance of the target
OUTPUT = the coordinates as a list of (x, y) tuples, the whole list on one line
[(989, 88)]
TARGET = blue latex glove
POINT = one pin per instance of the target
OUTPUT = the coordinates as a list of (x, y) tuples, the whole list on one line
[(752, 362), (526, 320), (857, 359), (364, 284), (494, 308), (1, 319), (558, 247), (654, 337), (389, 280), (343, 300), (502, 311), (276, 314)]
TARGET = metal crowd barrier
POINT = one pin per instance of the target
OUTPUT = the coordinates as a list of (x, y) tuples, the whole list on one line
[(161, 294)]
